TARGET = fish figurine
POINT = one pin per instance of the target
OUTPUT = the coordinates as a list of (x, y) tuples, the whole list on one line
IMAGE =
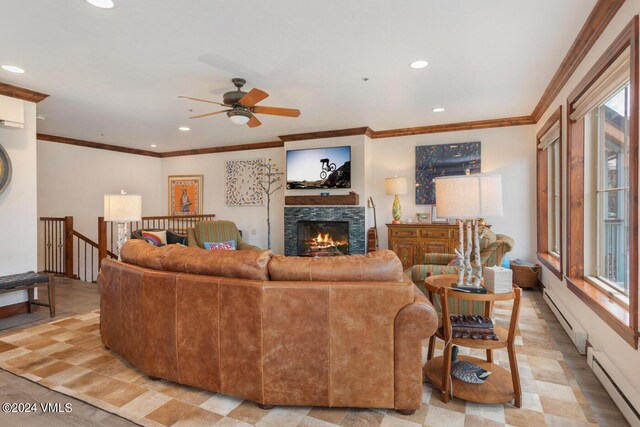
[(467, 371)]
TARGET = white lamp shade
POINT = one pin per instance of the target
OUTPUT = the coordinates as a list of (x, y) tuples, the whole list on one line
[(122, 207), (469, 196), (395, 185)]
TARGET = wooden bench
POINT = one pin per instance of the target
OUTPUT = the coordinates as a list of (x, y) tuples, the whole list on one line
[(29, 281)]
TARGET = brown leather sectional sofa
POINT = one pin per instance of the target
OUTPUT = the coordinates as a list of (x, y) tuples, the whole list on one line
[(342, 331)]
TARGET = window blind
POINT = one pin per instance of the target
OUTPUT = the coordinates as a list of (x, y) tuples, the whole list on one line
[(552, 135), (613, 78)]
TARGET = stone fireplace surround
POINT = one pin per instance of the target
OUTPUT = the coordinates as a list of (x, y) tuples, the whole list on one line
[(354, 215)]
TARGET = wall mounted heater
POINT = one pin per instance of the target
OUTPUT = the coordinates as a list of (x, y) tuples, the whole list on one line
[(11, 112), (622, 393), (576, 332)]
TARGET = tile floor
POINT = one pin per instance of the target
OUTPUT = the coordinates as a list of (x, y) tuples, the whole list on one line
[(66, 356)]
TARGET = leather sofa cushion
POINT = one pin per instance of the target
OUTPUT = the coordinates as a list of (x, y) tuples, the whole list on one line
[(181, 259), (378, 266)]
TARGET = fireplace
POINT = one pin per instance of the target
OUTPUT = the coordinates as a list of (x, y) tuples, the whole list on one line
[(323, 238), (354, 216)]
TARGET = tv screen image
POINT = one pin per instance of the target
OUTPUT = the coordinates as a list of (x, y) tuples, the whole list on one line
[(319, 168)]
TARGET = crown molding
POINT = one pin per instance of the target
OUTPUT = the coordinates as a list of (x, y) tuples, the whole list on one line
[(454, 127), (98, 145), (223, 149), (327, 134), (600, 16), (365, 130), (21, 93)]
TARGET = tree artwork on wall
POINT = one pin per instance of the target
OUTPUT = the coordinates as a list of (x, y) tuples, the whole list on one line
[(243, 183), (443, 160)]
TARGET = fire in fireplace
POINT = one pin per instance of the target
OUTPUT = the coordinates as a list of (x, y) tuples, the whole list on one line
[(323, 238)]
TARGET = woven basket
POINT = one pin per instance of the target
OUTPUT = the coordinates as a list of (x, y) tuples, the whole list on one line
[(525, 276)]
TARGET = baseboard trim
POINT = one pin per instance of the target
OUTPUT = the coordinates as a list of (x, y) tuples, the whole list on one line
[(15, 309)]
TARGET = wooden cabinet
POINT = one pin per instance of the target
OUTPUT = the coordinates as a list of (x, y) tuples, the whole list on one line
[(411, 241)]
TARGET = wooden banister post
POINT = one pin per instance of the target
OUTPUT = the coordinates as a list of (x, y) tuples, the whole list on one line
[(68, 246), (102, 240)]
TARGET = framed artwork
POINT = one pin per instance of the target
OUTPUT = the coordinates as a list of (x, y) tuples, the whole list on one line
[(424, 217), (185, 195), (242, 186), (443, 160)]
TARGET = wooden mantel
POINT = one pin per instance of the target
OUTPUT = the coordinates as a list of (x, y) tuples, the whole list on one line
[(316, 199)]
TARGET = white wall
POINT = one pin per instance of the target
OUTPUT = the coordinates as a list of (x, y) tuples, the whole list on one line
[(508, 151), (18, 203), (600, 334), (252, 220), (72, 181)]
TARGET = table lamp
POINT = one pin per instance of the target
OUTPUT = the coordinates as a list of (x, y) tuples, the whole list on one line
[(395, 186), (467, 198), (122, 209)]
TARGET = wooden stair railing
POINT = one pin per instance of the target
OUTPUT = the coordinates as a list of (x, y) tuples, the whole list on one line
[(69, 253), (107, 232), (55, 243), (61, 242)]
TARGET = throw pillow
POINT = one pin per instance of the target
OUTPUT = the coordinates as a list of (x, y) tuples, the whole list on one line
[(158, 238), (220, 246)]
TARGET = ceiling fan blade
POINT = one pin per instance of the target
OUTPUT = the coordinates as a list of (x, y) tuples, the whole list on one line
[(203, 100), (253, 122), (275, 111), (253, 97), (208, 114)]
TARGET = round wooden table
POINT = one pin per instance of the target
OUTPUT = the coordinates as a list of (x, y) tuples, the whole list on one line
[(502, 385)]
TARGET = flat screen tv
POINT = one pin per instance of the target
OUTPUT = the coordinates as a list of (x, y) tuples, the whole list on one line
[(319, 168)]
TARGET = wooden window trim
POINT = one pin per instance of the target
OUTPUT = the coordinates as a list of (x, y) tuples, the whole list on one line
[(552, 262), (612, 312), (623, 320)]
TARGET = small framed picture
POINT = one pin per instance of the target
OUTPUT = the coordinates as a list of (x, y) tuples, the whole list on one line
[(424, 217), (185, 195), (434, 217)]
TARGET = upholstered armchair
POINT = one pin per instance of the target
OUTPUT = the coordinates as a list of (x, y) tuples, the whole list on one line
[(216, 231), (493, 248)]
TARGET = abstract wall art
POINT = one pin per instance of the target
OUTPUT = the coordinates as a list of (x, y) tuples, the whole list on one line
[(242, 182), (443, 160)]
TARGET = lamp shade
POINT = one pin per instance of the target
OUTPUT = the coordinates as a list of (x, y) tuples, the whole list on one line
[(469, 196), (122, 207), (395, 185)]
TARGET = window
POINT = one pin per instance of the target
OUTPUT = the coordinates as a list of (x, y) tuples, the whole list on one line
[(553, 155), (602, 181), (612, 192), (549, 193)]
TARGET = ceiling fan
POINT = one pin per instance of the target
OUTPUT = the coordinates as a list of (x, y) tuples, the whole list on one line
[(243, 105)]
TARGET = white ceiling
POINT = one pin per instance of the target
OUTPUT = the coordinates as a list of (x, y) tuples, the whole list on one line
[(114, 75)]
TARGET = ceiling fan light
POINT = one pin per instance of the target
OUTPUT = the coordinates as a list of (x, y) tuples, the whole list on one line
[(239, 117)]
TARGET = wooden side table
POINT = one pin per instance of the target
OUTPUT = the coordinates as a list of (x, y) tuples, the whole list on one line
[(502, 385)]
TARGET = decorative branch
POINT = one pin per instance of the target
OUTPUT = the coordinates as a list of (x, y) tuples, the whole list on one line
[(270, 175)]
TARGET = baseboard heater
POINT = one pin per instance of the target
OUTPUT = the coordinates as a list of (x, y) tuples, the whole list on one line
[(576, 333), (622, 393)]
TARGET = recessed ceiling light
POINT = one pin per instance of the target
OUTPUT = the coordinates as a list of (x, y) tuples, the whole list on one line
[(102, 4), (13, 69), (184, 129), (153, 145), (438, 110), (418, 64)]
